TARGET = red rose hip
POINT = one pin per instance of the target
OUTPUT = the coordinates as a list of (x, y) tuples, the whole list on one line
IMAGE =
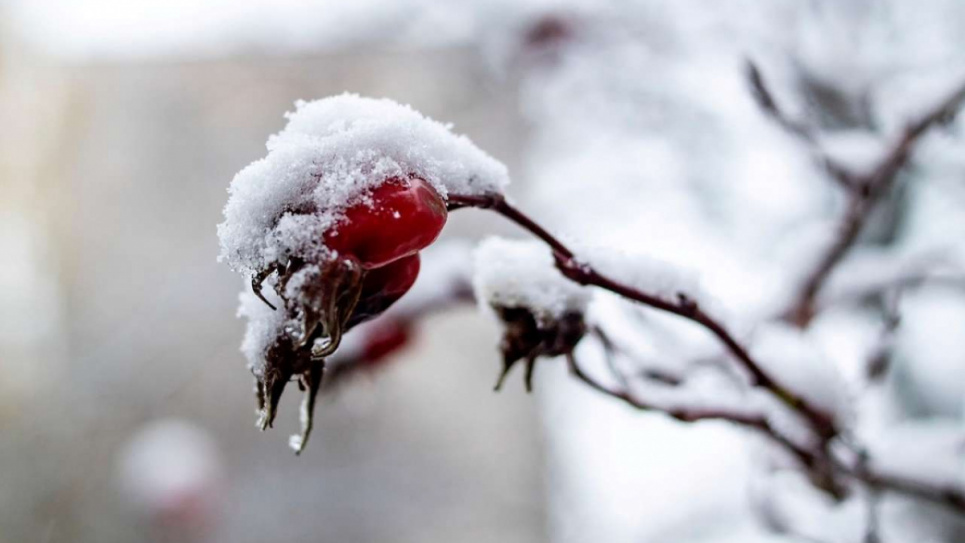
[(401, 217), (382, 287)]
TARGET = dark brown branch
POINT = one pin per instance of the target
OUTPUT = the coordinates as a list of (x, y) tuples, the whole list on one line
[(803, 309), (949, 496), (583, 273), (754, 421), (811, 461), (864, 194), (821, 468)]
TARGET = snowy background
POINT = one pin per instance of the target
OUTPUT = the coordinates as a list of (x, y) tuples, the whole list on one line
[(125, 407)]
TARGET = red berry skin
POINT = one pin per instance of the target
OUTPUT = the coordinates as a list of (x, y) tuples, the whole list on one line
[(406, 215), (383, 286)]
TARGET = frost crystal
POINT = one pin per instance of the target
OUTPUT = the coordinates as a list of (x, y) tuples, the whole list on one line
[(514, 273), (330, 155)]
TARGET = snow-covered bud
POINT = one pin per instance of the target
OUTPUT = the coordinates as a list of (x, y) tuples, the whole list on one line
[(542, 311)]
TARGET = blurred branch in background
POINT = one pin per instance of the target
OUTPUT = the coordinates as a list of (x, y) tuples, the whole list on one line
[(820, 462), (864, 189), (685, 305)]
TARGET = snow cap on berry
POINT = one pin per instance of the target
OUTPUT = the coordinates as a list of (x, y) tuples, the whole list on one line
[(522, 274), (330, 156)]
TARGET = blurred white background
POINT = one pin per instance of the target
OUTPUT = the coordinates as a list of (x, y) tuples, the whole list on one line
[(629, 124)]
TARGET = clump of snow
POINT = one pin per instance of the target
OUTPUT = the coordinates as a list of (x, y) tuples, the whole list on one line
[(857, 150), (330, 155), (929, 373), (852, 339), (909, 96), (788, 503), (932, 451), (873, 270), (265, 325), (793, 359), (651, 275), (517, 273), (299, 280)]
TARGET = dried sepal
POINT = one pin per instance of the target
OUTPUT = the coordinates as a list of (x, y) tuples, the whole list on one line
[(282, 362), (317, 300), (528, 337)]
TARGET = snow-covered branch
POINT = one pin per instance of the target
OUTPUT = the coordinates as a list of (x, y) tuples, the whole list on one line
[(682, 304)]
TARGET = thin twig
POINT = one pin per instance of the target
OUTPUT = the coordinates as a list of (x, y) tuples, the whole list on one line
[(583, 273), (909, 280), (609, 355), (611, 350), (765, 100), (949, 496), (753, 421)]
